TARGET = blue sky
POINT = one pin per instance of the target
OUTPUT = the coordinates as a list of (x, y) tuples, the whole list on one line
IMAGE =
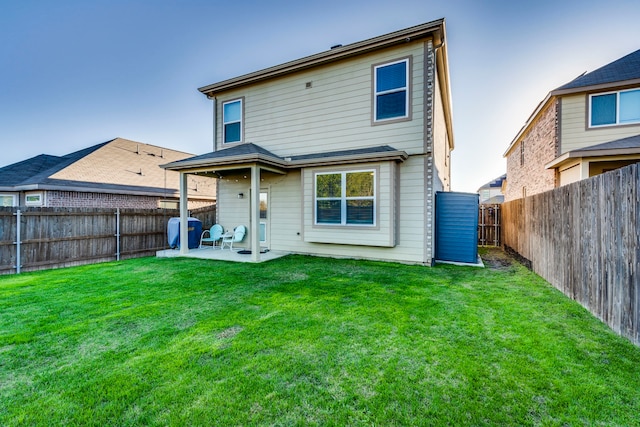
[(77, 73)]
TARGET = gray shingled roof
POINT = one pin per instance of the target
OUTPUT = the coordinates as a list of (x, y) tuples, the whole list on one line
[(495, 183), (250, 149), (38, 169), (237, 150), (625, 68), (629, 142)]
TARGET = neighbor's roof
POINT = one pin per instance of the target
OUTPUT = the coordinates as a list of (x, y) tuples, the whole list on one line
[(118, 166), (629, 146), (621, 70), (495, 183)]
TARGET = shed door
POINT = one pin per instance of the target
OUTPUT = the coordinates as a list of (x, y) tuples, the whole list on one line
[(457, 227)]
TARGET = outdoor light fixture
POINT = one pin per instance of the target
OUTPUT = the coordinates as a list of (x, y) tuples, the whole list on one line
[(240, 195)]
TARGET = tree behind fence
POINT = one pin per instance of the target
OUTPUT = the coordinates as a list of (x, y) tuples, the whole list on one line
[(61, 237), (584, 238)]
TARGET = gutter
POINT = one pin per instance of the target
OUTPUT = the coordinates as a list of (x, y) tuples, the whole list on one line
[(287, 162)]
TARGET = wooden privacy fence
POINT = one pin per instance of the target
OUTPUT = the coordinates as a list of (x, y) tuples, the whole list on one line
[(40, 238), (583, 238), (489, 225)]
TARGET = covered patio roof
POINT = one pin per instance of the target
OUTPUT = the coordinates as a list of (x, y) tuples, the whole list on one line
[(254, 159), (629, 146), (249, 153)]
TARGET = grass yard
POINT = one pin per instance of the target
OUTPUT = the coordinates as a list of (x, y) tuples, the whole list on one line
[(306, 341)]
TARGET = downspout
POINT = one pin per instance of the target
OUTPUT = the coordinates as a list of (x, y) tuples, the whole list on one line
[(432, 84), (215, 128)]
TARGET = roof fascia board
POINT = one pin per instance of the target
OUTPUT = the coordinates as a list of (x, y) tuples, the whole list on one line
[(399, 37), (611, 154), (197, 165), (81, 189), (541, 106), (226, 163), (399, 156)]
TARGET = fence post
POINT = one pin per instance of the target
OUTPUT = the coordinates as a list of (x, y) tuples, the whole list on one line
[(18, 265), (496, 222), (118, 234)]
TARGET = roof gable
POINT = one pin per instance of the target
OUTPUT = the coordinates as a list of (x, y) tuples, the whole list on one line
[(433, 29), (623, 69)]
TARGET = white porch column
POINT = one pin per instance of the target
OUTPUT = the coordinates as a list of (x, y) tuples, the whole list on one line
[(184, 215), (584, 169), (255, 213)]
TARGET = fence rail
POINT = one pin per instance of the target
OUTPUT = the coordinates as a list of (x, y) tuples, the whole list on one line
[(39, 238), (583, 238)]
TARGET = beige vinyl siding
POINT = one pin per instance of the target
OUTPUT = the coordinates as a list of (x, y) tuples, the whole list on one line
[(236, 211), (286, 213), (442, 162), (401, 219), (287, 118), (574, 132)]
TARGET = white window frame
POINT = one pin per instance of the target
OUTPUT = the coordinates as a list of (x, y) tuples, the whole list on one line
[(405, 89), (617, 122), (241, 121), (39, 202), (343, 197), (13, 197)]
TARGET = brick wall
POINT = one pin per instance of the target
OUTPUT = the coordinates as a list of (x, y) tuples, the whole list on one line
[(528, 177), (75, 199)]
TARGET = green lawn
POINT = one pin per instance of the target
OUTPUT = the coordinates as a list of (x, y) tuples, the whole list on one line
[(306, 341)]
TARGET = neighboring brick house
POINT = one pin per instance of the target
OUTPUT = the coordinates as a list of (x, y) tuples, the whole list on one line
[(115, 174), (581, 129), (339, 153)]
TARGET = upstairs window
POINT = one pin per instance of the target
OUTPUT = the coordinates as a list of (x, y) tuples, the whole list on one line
[(232, 121), (391, 94), (614, 108), (345, 198)]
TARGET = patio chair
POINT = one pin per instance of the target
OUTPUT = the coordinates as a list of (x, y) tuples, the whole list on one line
[(215, 235), (235, 237)]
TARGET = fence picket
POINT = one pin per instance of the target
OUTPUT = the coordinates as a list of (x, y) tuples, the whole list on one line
[(62, 237), (584, 239)]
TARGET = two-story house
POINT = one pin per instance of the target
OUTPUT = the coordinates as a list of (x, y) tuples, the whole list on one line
[(584, 128), (335, 154)]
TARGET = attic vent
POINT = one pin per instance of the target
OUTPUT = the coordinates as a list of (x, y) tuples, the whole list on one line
[(308, 85), (335, 46)]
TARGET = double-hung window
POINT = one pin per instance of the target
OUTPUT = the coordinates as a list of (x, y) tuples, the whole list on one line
[(391, 91), (614, 108), (345, 198), (232, 121)]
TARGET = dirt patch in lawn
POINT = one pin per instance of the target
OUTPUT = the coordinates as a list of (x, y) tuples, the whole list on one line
[(497, 259)]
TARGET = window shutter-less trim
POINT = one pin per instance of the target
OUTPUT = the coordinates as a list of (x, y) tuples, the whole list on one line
[(391, 90)]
